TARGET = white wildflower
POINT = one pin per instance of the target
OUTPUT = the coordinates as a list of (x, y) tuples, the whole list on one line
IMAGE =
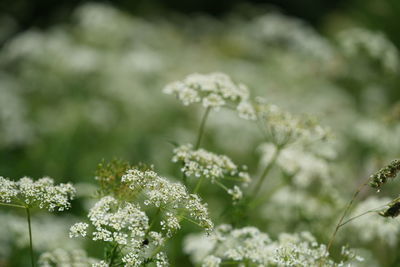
[(236, 193), (167, 196), (201, 162), (41, 193), (161, 260), (248, 244), (211, 261), (282, 127), (246, 111), (100, 264), (78, 229), (214, 90)]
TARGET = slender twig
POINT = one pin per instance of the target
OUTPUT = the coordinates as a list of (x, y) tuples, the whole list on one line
[(113, 254), (362, 214), (28, 215), (201, 129), (355, 217), (264, 174), (346, 210), (222, 186), (198, 142), (198, 185)]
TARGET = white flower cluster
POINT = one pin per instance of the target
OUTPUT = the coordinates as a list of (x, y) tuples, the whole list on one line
[(170, 197), (288, 205), (304, 166), (250, 245), (42, 193), (202, 163), (124, 224), (78, 229), (61, 257), (374, 44), (100, 264), (295, 35), (213, 90), (121, 223), (282, 127)]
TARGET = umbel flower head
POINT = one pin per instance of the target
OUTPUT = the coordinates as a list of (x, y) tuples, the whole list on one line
[(249, 244), (282, 127), (171, 198), (383, 175), (125, 220), (202, 163), (122, 223), (214, 91), (41, 193)]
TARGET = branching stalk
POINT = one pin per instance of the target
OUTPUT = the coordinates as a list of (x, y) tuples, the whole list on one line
[(201, 129), (340, 223), (264, 174), (198, 185), (28, 216)]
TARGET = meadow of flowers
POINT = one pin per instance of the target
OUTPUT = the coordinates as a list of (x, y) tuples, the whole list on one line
[(191, 141)]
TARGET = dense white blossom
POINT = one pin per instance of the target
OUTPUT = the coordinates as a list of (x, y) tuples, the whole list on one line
[(120, 223), (202, 163), (170, 197), (41, 193), (78, 229), (250, 245), (213, 90)]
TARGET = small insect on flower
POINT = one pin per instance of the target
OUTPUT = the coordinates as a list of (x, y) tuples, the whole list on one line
[(393, 210)]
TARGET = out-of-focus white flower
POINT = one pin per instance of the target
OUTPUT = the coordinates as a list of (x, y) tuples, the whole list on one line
[(375, 44), (304, 166), (211, 261), (61, 257), (249, 244), (213, 90)]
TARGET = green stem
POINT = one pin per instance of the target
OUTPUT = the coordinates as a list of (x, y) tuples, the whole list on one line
[(346, 210), (28, 214), (112, 258), (198, 185), (265, 172), (362, 214), (12, 205), (201, 130)]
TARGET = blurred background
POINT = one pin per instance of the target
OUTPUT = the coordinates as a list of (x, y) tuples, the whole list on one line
[(81, 81)]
